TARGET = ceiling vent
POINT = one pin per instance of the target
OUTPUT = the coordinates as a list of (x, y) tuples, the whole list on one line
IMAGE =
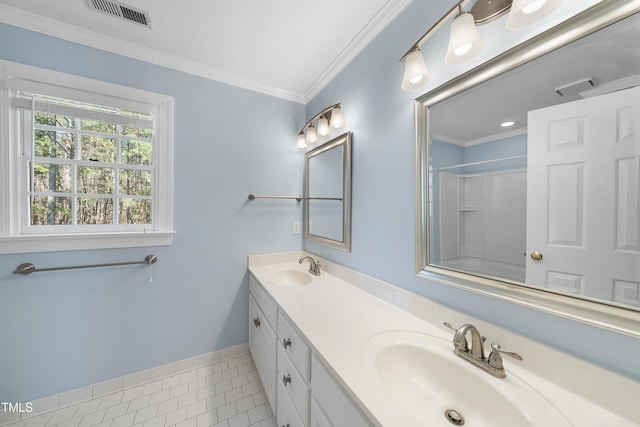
[(575, 87), (122, 11)]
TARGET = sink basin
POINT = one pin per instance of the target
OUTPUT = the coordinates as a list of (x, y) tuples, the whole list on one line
[(421, 374), (291, 278)]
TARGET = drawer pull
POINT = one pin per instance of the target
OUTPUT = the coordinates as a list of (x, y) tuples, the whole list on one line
[(286, 342), (286, 379), (256, 322)]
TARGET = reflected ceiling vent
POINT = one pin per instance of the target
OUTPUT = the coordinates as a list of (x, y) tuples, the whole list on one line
[(122, 11), (575, 87)]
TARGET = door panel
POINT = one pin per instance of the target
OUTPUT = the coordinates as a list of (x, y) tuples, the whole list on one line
[(582, 197)]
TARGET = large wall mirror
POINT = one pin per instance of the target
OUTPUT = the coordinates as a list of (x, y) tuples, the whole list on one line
[(327, 212), (529, 172)]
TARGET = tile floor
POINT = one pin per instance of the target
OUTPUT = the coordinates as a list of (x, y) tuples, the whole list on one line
[(227, 393)]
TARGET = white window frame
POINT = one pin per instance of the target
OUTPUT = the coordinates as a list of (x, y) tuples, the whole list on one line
[(13, 183)]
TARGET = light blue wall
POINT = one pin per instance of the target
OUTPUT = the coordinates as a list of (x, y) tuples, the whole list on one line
[(62, 330), (381, 115), (507, 147)]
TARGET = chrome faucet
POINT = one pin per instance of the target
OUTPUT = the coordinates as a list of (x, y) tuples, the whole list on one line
[(460, 342), (314, 266), (475, 354)]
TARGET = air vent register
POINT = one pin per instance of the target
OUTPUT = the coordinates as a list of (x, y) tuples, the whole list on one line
[(122, 11)]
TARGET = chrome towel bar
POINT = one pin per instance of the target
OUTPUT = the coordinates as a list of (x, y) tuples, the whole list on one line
[(296, 198), (28, 268)]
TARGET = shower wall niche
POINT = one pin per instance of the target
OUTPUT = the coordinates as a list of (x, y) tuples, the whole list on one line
[(483, 222)]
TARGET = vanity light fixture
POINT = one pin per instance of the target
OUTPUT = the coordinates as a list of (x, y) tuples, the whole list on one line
[(465, 42), (327, 119)]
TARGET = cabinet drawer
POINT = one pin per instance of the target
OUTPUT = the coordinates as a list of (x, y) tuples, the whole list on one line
[(266, 304), (294, 346), (294, 385), (287, 415)]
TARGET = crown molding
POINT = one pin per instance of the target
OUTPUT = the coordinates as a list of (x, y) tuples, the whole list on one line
[(375, 26), (50, 27)]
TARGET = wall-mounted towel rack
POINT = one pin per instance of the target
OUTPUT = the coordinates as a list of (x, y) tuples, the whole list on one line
[(482, 162), (296, 198), (28, 268)]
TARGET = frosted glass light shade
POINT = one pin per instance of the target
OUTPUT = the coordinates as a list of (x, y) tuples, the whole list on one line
[(312, 137), (302, 143), (526, 12), (464, 41), (323, 126), (337, 119), (416, 74)]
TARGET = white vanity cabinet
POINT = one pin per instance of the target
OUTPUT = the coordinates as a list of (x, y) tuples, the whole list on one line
[(330, 405), (299, 388), (263, 339)]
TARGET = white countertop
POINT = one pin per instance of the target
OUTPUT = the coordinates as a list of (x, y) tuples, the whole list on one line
[(338, 317)]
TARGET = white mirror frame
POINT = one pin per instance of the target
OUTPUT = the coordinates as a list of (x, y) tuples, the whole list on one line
[(591, 312)]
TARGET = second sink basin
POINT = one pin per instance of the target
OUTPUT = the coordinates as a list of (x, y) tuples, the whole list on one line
[(437, 388), (291, 278)]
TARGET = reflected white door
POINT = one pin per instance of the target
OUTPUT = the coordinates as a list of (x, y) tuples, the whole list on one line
[(582, 197)]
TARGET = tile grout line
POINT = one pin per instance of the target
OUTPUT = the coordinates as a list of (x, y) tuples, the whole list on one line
[(102, 389), (248, 407)]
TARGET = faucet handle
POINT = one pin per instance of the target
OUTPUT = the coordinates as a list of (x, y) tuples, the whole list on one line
[(450, 326), (495, 359)]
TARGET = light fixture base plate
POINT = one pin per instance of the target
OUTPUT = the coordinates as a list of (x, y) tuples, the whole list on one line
[(484, 11)]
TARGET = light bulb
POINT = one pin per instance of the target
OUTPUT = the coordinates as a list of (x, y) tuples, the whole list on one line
[(337, 119), (527, 12), (301, 141), (533, 7), (416, 74), (323, 126), (311, 138), (462, 50), (464, 41)]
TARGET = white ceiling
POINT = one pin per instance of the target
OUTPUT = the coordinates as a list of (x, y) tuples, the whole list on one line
[(285, 48), (609, 57)]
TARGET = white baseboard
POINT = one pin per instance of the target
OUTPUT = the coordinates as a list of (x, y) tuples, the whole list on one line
[(114, 385)]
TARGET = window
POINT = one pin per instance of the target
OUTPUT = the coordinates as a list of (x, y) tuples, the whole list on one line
[(84, 164)]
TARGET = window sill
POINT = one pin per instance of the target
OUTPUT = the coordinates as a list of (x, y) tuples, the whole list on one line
[(72, 242)]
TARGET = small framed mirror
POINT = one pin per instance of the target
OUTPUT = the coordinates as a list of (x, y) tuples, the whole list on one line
[(327, 213)]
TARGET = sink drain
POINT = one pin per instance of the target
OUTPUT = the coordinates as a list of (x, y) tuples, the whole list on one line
[(454, 417)]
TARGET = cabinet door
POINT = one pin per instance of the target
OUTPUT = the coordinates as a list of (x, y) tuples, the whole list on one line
[(267, 349), (253, 328), (262, 344), (318, 418), (337, 409)]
